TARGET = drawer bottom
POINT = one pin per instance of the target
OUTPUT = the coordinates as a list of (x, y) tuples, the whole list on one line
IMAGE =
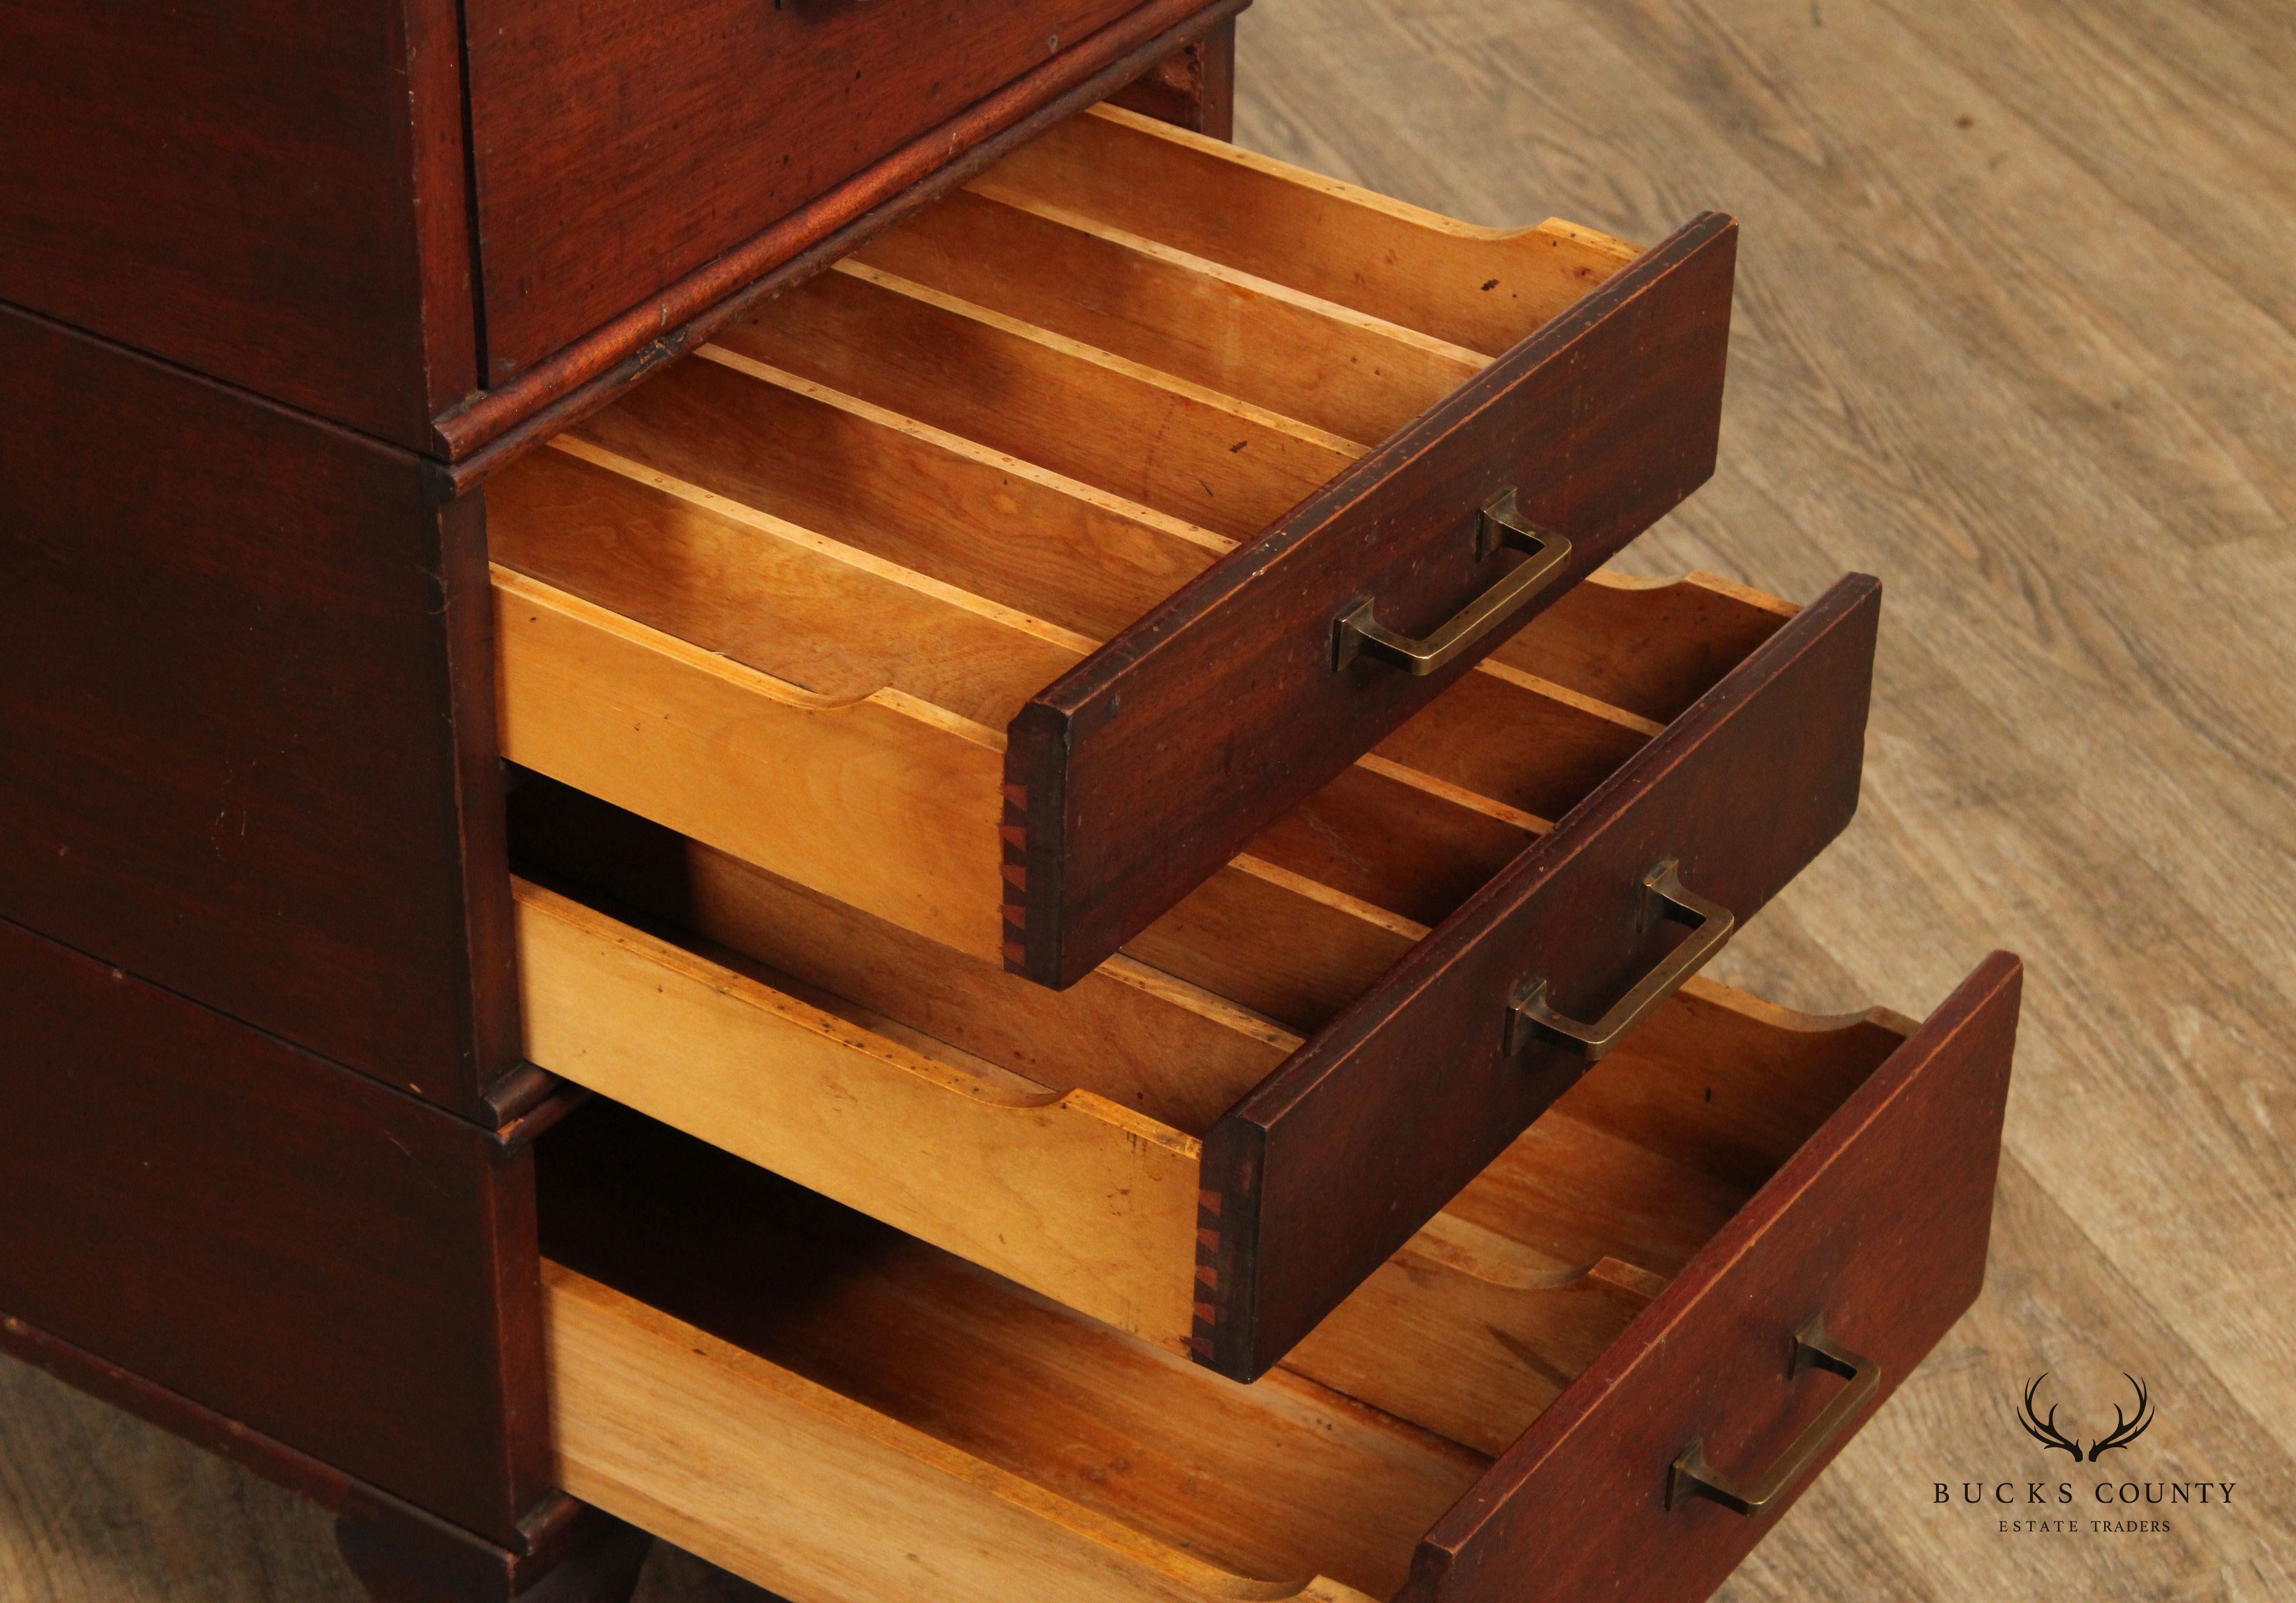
[(841, 1412)]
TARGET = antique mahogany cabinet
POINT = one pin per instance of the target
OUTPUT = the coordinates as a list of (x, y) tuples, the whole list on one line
[(778, 772)]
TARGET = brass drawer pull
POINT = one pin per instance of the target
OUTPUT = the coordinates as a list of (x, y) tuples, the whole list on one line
[(1530, 1017), (1357, 632), (1692, 1476)]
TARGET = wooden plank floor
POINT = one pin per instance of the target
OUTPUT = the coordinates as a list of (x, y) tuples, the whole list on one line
[(2017, 330)]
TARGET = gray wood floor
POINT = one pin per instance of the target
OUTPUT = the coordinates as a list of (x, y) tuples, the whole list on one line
[(2016, 330)]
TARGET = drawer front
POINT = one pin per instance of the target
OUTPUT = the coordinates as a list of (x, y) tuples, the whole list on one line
[(1132, 777), (1417, 1087), (1879, 1225), (619, 146)]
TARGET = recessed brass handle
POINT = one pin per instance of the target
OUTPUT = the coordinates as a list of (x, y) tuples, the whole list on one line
[(1691, 1475), (1357, 632), (1530, 1018)]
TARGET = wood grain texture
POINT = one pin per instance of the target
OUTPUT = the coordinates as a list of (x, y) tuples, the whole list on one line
[(914, 1382), (148, 1517), (1059, 1188), (1881, 1223), (674, 314), (1136, 298), (1134, 776), (1410, 1093), (1484, 289), (1035, 1452), (250, 729), (902, 797), (272, 194), (1131, 1033), (616, 149), (1118, 425), (401, 1552), (951, 509), (273, 1238)]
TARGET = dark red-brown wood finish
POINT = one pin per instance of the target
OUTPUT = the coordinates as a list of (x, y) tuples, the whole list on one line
[(1193, 88), (1134, 776), (606, 360), (1332, 1163), (1879, 1223), (619, 146), (245, 672), (330, 1264), (269, 190), (378, 1533), (578, 1555)]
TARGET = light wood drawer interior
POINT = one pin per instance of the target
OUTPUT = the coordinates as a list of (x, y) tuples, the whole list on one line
[(786, 598), (837, 1410), (1057, 1137)]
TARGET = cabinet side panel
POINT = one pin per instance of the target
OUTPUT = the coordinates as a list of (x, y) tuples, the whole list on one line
[(231, 643), (340, 1268), (273, 192)]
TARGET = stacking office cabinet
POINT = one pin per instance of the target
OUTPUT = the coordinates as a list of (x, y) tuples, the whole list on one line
[(785, 775)]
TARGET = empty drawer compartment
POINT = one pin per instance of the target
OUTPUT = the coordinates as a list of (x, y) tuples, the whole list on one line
[(1007, 579)]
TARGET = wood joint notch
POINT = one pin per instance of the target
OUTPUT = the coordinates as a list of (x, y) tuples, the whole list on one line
[(1203, 1343), (1013, 834)]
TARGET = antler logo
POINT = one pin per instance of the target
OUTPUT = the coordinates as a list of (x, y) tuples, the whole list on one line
[(2125, 1429)]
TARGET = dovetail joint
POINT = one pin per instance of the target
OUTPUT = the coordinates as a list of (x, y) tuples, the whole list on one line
[(1207, 1308)]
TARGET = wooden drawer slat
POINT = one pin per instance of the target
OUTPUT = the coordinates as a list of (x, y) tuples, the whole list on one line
[(1484, 289), (1216, 461), (1259, 341), (865, 668)]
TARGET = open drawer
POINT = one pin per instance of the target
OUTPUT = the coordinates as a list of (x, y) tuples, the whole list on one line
[(1214, 1138), (1007, 579), (1600, 1372)]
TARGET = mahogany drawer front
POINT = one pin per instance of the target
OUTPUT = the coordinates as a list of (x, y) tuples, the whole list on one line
[(834, 1411), (1216, 1138), (618, 146), (991, 582)]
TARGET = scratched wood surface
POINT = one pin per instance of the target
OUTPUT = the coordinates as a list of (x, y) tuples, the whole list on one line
[(2017, 330)]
